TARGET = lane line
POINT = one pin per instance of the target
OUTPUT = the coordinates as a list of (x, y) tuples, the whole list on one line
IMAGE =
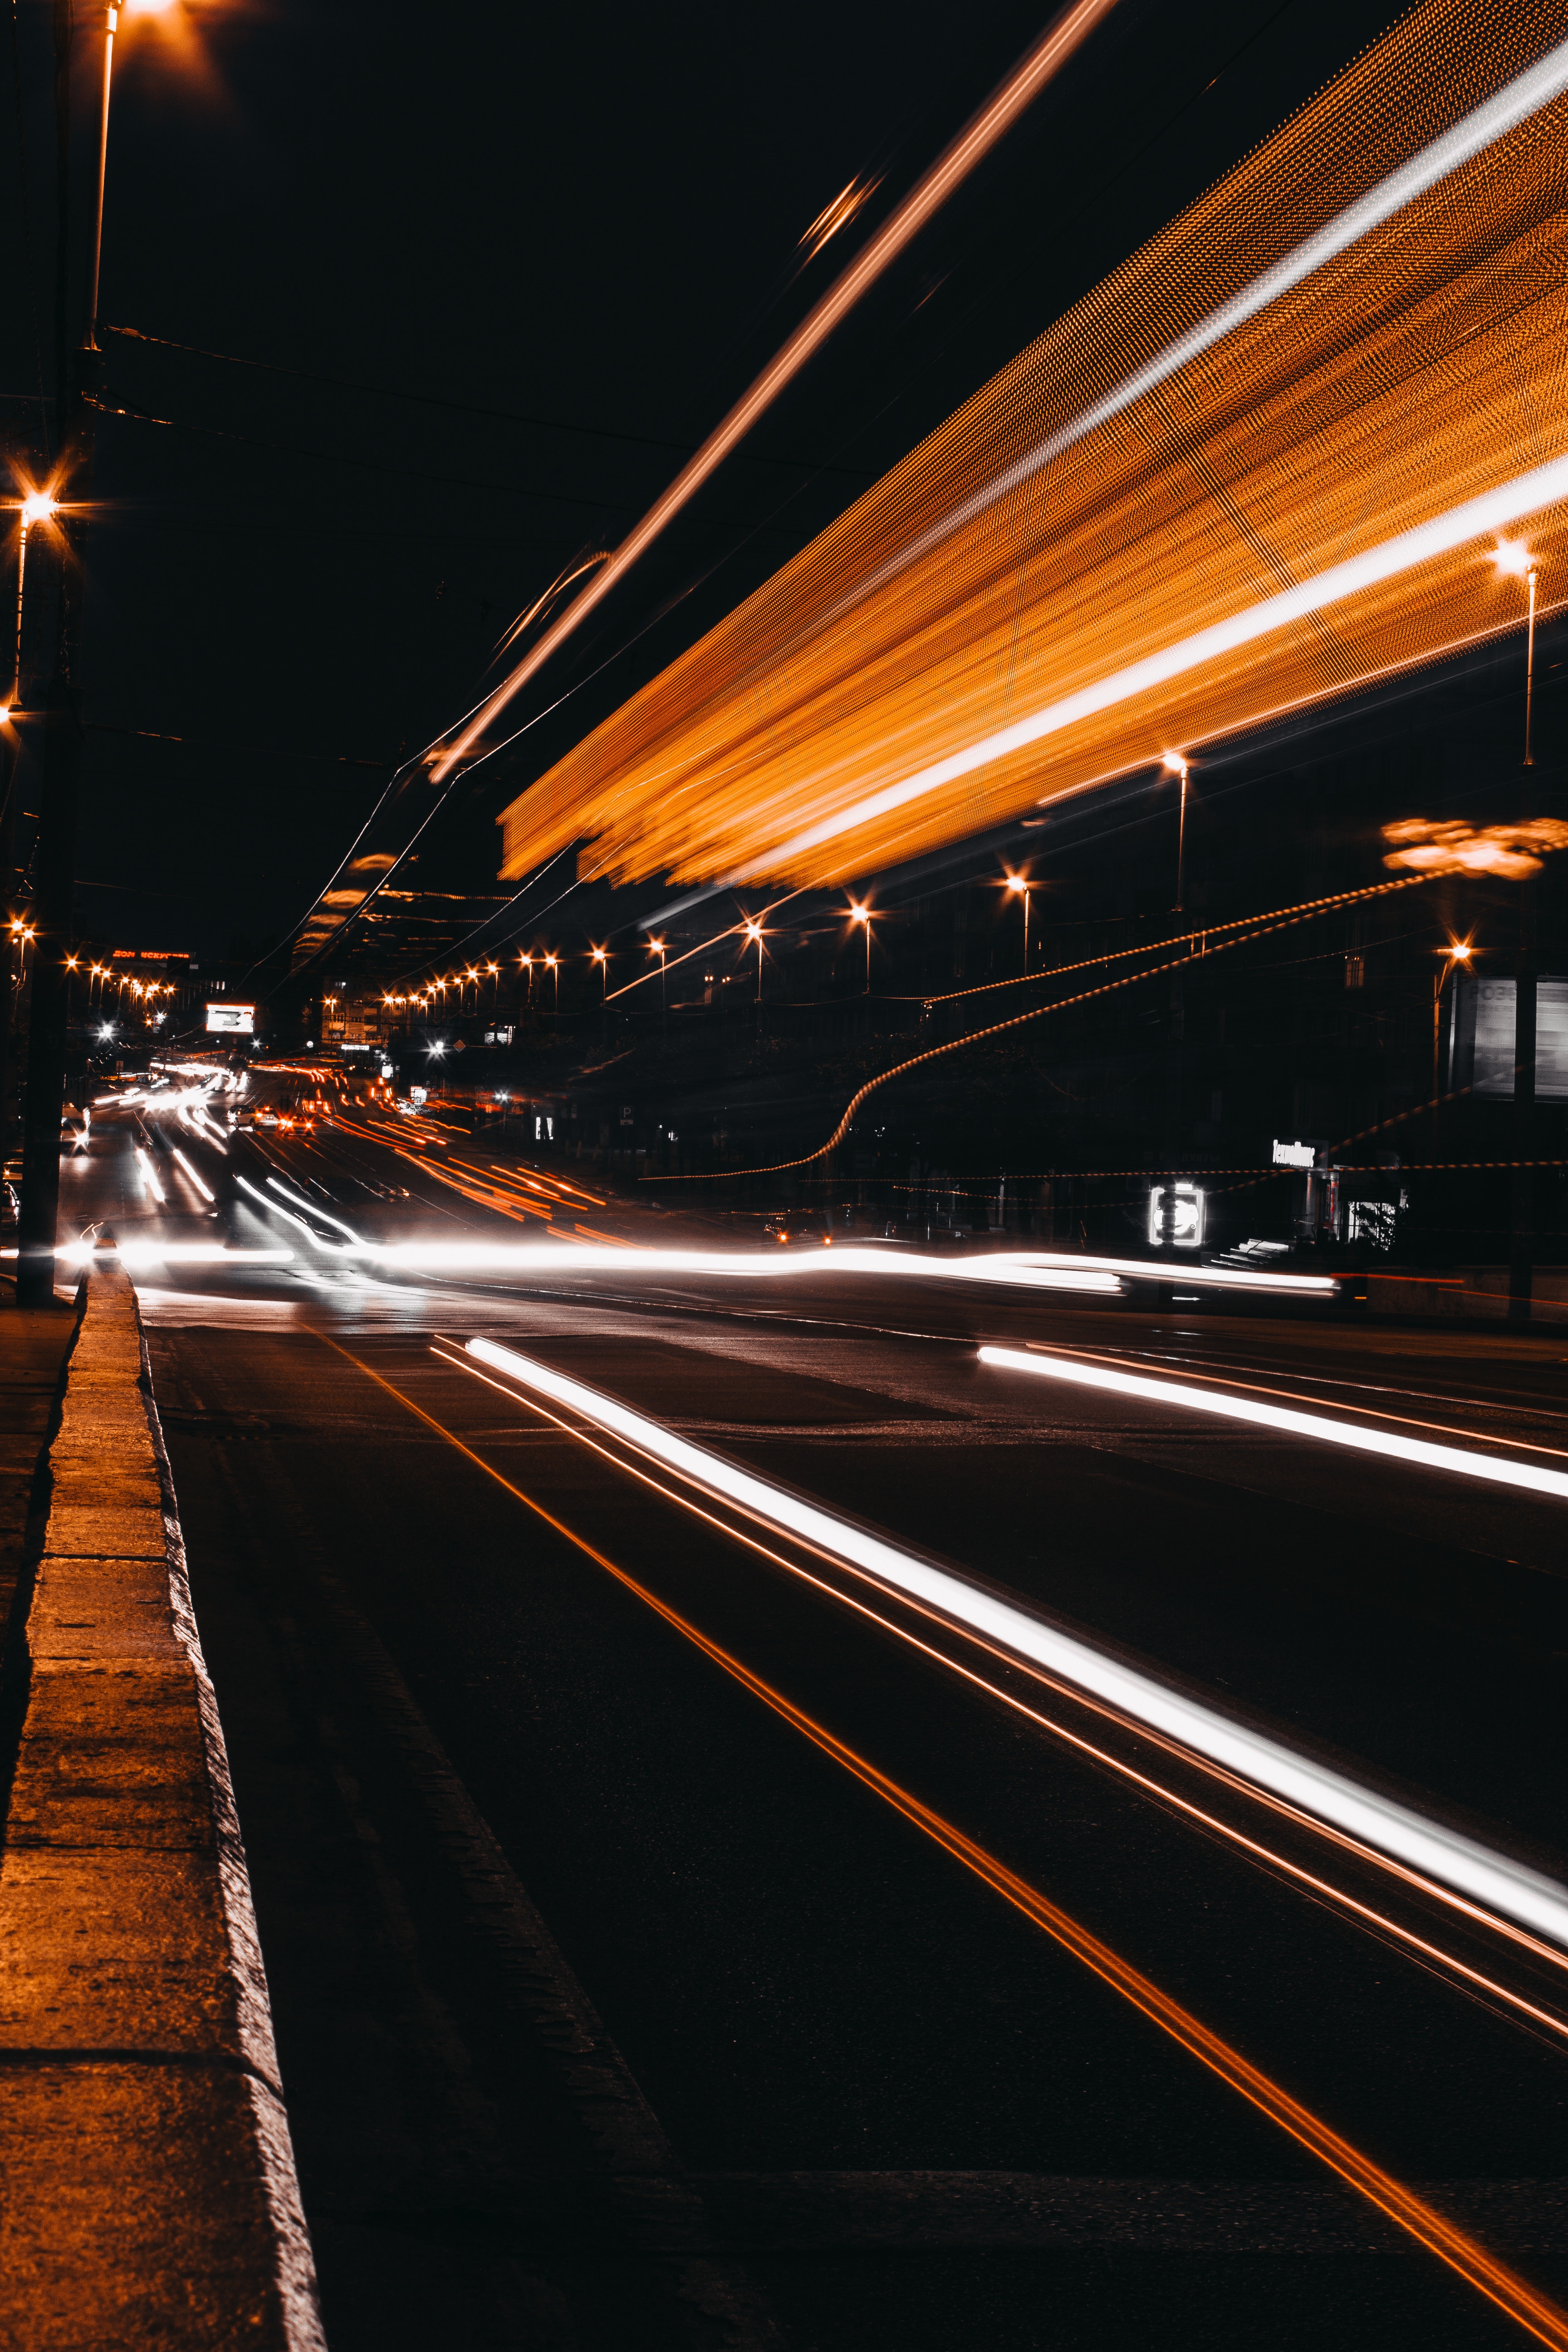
[(1495, 1881), (1416, 1451), (1453, 2246), (1362, 1913)]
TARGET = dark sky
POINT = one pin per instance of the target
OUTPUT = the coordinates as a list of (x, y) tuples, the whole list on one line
[(587, 220)]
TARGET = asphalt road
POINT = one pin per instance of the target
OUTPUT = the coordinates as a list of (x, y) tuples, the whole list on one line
[(639, 1887)]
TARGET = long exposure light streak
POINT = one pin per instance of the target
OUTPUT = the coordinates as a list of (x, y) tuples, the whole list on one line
[(174, 1153), (1040, 64), (1495, 1881), (1197, 499), (1453, 2246), (1477, 519), (1494, 1988), (1510, 106), (1419, 1451)]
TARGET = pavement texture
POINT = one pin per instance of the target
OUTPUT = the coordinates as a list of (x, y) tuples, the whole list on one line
[(152, 2198), (34, 1344)]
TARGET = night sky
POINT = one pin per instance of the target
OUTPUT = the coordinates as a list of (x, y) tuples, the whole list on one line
[(588, 224)]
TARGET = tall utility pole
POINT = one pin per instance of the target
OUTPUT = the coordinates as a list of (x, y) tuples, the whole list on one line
[(60, 713)]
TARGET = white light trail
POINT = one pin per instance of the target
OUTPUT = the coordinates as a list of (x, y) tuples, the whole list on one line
[(174, 1153), (279, 1186), (1477, 518), (1494, 1880), (150, 1174), (1017, 1269), (160, 1253), (1419, 1450)]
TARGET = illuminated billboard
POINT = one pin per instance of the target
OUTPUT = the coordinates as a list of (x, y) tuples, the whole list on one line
[(235, 1020)]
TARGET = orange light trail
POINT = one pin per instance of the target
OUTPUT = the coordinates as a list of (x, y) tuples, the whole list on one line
[(1452, 2246), (1039, 66), (1311, 500)]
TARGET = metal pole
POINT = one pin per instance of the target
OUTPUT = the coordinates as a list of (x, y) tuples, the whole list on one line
[(1181, 843), (1530, 666), (113, 19)]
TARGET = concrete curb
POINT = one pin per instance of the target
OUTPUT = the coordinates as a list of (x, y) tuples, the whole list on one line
[(151, 2197)]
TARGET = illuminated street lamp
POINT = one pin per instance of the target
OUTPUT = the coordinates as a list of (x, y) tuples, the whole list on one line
[(552, 966), (602, 958), (37, 507), (754, 932), (1457, 951), (657, 947), (862, 915), (1521, 566), (1019, 884), (1175, 765)]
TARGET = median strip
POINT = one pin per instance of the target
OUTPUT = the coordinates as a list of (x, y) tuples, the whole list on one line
[(152, 2192)]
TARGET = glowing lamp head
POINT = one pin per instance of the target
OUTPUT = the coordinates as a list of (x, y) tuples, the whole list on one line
[(598, 955), (38, 507), (1515, 560), (655, 946), (1460, 952), (753, 931), (859, 914), (1173, 763), (1018, 882), (5, 714)]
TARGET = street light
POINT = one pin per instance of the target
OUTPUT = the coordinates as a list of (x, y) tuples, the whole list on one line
[(1019, 884), (37, 507), (862, 915), (1521, 566), (1456, 953), (657, 947), (1175, 765), (552, 965), (754, 932), (601, 957)]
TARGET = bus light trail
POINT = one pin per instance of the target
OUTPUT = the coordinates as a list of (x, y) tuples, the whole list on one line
[(1495, 1881), (1418, 1451), (1453, 2246)]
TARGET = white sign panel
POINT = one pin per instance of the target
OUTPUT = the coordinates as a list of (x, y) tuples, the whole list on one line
[(1293, 1155), (232, 1020)]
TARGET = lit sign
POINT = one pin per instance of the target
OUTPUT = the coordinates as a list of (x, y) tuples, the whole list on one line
[(239, 1020), (1293, 1155), (1176, 1216)]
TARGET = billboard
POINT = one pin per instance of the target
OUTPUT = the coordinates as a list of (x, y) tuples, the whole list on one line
[(1482, 1048), (232, 1020)]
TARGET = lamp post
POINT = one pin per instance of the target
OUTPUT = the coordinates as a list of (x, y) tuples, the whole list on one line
[(657, 947), (754, 932), (1019, 883), (61, 712), (552, 966), (1457, 951), (1175, 765), (862, 915)]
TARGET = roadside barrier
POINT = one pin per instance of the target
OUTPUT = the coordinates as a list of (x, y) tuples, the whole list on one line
[(151, 2191)]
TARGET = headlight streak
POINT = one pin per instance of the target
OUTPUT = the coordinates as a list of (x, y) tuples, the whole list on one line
[(326, 1216), (149, 1173), (1364, 1913), (1451, 2245), (1417, 1450), (1406, 1420), (135, 1253), (280, 1210), (176, 1154), (1494, 1881)]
